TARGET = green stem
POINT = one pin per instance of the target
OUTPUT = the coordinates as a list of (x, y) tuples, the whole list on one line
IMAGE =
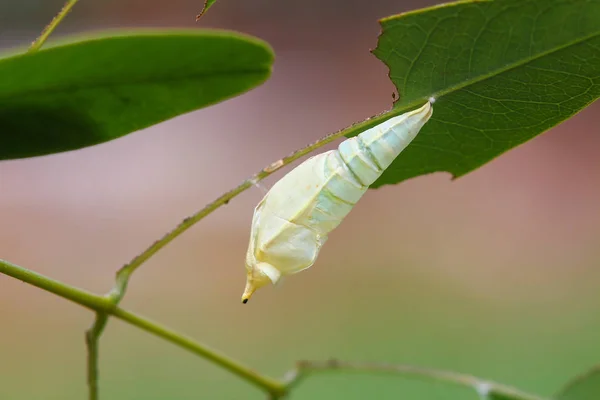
[(91, 340), (35, 46), (79, 296), (274, 387), (104, 306), (485, 388)]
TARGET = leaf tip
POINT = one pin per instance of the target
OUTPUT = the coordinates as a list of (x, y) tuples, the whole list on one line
[(207, 5)]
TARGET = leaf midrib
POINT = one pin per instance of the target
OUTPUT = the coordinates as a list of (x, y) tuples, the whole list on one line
[(498, 71), (70, 88)]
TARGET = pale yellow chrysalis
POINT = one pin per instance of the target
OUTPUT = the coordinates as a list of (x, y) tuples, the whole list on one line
[(292, 221)]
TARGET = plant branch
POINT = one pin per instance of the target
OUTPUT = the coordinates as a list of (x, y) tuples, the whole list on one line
[(104, 306), (38, 43), (483, 387), (277, 389)]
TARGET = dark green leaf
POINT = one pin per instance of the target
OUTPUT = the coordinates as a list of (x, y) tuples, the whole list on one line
[(585, 387), (502, 71), (80, 94)]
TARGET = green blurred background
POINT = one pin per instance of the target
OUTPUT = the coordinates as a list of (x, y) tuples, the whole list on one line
[(495, 274)]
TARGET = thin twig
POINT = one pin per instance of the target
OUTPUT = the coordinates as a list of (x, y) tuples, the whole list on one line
[(91, 340), (270, 385), (103, 306), (35, 46), (483, 387)]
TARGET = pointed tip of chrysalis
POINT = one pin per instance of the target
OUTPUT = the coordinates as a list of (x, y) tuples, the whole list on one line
[(248, 291), (258, 276)]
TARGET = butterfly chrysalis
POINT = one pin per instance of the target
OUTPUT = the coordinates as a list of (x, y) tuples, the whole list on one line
[(292, 221)]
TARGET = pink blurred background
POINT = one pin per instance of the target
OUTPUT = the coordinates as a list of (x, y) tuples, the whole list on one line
[(496, 273)]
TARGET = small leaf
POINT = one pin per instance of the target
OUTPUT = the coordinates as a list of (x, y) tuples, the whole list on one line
[(585, 387), (80, 94), (503, 72), (207, 4)]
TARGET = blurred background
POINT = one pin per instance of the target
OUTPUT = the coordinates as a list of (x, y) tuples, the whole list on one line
[(495, 274)]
